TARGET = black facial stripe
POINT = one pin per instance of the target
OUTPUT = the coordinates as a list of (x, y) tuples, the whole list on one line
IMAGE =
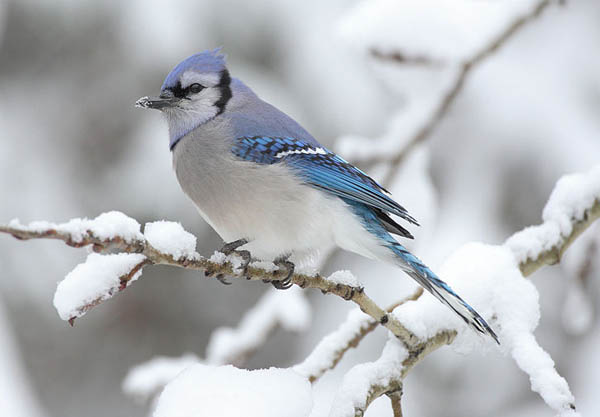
[(180, 92), (225, 90)]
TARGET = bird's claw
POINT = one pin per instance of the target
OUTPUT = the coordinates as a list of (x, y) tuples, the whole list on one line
[(228, 249), (222, 279), (289, 267)]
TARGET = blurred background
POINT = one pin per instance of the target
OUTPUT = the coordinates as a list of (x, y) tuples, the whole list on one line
[(73, 145)]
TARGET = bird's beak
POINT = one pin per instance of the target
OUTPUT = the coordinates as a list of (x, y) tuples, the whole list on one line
[(161, 102)]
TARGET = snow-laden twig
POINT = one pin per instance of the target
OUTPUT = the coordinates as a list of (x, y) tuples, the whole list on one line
[(366, 382), (377, 154), (512, 307), (572, 207), (332, 348), (177, 250)]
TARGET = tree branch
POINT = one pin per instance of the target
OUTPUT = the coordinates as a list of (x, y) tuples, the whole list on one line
[(196, 262), (554, 254)]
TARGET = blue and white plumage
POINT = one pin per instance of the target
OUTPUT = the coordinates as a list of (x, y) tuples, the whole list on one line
[(256, 174)]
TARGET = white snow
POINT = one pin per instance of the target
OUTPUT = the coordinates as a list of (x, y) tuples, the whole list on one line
[(226, 391), (488, 278), (572, 195), (145, 380), (358, 381), (108, 225), (97, 279), (288, 309), (171, 238), (328, 349), (218, 258), (345, 278)]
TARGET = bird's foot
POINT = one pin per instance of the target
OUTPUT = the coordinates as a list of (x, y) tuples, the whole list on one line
[(288, 267), (230, 248)]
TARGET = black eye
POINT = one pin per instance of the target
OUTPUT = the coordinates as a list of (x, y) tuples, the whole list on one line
[(195, 88)]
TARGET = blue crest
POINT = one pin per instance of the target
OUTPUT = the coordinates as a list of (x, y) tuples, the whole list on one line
[(207, 61)]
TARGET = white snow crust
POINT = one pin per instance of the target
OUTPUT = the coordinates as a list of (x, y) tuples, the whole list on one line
[(149, 378), (489, 279), (171, 238), (345, 278), (226, 391), (572, 195), (323, 355), (95, 279), (359, 380), (108, 225)]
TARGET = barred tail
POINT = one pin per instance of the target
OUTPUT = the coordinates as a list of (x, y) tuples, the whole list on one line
[(430, 281)]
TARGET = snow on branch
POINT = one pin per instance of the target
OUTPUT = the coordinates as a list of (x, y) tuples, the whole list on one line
[(331, 348), (177, 248), (366, 382), (572, 207), (204, 390), (376, 16), (491, 278)]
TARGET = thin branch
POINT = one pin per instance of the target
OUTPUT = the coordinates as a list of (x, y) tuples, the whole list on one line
[(554, 254), (154, 256), (332, 348), (449, 97), (396, 400), (548, 257)]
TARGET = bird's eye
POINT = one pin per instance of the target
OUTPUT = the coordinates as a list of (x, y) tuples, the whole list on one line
[(195, 88)]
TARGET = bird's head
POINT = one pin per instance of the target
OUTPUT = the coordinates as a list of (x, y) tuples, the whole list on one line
[(195, 91)]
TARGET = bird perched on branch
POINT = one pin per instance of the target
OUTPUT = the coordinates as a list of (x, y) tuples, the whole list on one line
[(269, 188)]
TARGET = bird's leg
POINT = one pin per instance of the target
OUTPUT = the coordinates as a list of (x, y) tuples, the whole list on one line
[(228, 249), (283, 263)]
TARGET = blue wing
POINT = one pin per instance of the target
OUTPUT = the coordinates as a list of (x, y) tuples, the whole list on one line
[(322, 169)]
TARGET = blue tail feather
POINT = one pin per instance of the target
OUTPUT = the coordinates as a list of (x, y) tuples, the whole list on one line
[(420, 272), (442, 291)]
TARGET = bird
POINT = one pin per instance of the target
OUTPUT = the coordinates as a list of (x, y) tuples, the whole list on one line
[(270, 189)]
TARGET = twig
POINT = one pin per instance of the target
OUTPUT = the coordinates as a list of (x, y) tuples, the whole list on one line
[(547, 257), (448, 99), (396, 400), (554, 254), (332, 348)]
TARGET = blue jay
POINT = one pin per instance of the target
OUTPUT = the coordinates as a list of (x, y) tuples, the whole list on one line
[(265, 184)]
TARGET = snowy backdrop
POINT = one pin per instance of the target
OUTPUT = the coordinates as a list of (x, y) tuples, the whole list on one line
[(469, 111)]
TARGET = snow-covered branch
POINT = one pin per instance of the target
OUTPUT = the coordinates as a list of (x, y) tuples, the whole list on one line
[(512, 308), (420, 325), (331, 349), (166, 243)]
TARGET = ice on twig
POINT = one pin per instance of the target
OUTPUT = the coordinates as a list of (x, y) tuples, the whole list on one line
[(172, 239), (148, 379), (288, 309), (360, 380), (95, 280), (110, 225), (328, 351), (226, 391)]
